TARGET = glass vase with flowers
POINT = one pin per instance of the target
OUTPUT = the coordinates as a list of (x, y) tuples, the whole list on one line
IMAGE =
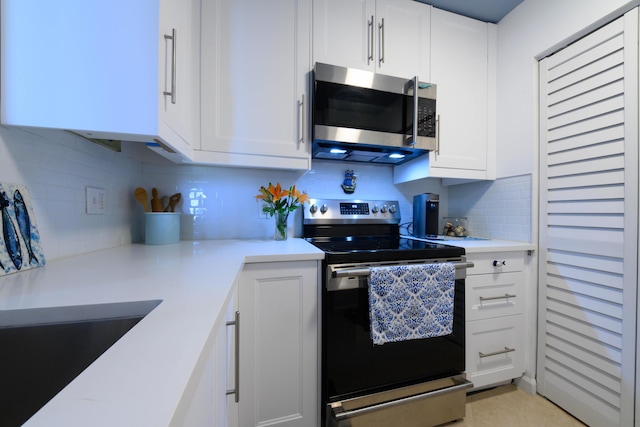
[(280, 203)]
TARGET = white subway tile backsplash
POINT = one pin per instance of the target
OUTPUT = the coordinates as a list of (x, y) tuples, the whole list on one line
[(503, 210), (217, 202), (56, 166)]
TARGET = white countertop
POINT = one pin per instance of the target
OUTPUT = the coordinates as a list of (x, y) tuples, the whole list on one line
[(482, 245), (139, 380)]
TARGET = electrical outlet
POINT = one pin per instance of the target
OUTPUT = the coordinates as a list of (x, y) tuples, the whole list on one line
[(96, 201), (261, 214)]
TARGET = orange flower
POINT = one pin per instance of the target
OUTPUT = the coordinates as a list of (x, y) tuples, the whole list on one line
[(298, 196), (280, 200), (277, 192)]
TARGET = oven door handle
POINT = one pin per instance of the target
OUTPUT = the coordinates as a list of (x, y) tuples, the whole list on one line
[(340, 414), (366, 271)]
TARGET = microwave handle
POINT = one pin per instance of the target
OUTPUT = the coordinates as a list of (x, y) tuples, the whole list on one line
[(415, 111)]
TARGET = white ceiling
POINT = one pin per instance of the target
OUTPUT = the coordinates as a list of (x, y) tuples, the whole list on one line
[(484, 10)]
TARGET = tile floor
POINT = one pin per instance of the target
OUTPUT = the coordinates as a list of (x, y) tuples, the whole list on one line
[(508, 406)]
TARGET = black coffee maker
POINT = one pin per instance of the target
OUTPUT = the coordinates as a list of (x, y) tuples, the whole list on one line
[(426, 215)]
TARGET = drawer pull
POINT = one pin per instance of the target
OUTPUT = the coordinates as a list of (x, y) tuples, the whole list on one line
[(505, 296), (497, 263), (495, 353)]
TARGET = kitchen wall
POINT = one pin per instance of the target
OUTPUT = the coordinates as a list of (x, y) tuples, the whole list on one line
[(56, 167), (533, 28)]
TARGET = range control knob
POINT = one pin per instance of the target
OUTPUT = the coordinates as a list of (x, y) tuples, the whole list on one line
[(324, 209), (393, 208), (313, 208), (384, 209), (375, 209)]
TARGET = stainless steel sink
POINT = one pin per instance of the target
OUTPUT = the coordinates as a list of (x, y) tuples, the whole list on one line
[(44, 349)]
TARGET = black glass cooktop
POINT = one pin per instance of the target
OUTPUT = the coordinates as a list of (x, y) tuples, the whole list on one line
[(369, 249)]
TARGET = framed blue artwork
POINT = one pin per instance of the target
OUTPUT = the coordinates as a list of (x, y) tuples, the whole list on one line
[(19, 240)]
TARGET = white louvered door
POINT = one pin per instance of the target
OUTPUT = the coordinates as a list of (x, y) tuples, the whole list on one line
[(589, 225)]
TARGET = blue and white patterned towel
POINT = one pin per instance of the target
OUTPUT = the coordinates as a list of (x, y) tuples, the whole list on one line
[(411, 301)]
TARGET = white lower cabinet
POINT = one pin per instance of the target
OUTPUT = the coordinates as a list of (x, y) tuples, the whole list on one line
[(279, 344), (495, 300), (206, 401)]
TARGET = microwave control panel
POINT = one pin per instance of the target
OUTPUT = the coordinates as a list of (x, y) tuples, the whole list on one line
[(427, 117)]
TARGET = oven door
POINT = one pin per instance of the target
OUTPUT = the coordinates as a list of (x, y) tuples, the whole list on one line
[(362, 380)]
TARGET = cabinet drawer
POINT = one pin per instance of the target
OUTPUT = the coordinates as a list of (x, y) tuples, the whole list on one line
[(495, 350), (491, 295), (504, 262)]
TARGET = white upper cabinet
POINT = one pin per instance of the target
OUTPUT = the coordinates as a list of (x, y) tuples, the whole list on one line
[(101, 69), (460, 68), (463, 57), (256, 59), (386, 36)]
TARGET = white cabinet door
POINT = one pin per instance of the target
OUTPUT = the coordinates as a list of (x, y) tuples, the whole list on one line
[(386, 36), (344, 32), (403, 31), (460, 68), (256, 59), (279, 344), (179, 60), (205, 401), (63, 68)]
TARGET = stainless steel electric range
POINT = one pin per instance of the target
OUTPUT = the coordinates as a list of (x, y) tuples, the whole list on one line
[(414, 382)]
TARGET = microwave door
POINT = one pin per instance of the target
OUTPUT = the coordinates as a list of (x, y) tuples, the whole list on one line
[(355, 114)]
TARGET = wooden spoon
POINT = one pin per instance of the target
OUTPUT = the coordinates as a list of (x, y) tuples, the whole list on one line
[(142, 197), (173, 201), (156, 203)]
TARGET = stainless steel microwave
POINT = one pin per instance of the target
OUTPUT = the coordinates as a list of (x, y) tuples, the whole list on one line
[(362, 116)]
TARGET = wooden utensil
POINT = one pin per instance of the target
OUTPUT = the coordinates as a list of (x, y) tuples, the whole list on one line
[(156, 203), (173, 201), (142, 197)]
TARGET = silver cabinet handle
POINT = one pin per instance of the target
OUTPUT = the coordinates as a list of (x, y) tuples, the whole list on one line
[(370, 41), (505, 296), (301, 127), (381, 44), (340, 414), (236, 391), (174, 48), (496, 353)]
